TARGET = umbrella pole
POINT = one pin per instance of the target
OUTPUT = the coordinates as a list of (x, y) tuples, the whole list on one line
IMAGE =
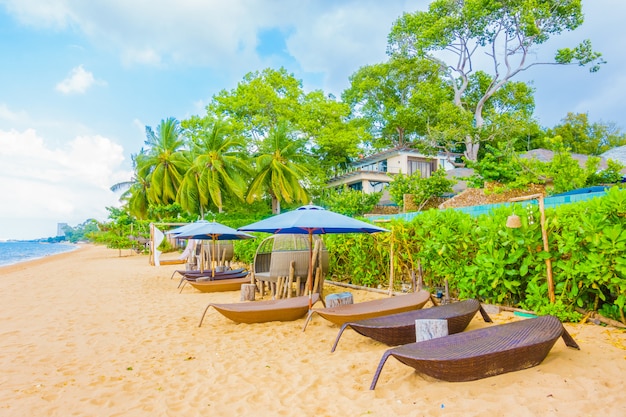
[(213, 259), (391, 261), (201, 257), (310, 274)]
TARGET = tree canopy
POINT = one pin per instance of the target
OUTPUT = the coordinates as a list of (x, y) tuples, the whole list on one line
[(460, 35)]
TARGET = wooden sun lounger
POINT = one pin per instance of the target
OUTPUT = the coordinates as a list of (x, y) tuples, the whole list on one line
[(399, 329), (285, 309), (220, 285), (172, 261), (368, 309), (484, 352)]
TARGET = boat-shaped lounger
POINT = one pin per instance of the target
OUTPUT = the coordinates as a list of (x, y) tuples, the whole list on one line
[(399, 329), (220, 285), (208, 276), (203, 274), (484, 352), (368, 309), (284, 309)]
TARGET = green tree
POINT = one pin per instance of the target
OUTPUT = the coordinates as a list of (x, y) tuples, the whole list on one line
[(567, 174), (162, 165), (505, 32), (350, 202), (422, 189), (134, 193), (333, 138), (431, 187), (259, 103), (397, 99), (279, 171), (263, 100), (81, 232), (218, 165), (581, 136)]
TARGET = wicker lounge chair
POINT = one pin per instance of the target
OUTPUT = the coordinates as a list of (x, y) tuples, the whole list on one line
[(368, 309), (285, 309), (399, 329), (484, 352), (208, 275)]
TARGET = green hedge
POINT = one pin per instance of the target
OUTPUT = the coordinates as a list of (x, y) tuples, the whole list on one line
[(481, 258)]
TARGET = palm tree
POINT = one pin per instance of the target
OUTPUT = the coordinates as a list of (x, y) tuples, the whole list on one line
[(135, 193), (278, 170), (217, 164), (164, 162)]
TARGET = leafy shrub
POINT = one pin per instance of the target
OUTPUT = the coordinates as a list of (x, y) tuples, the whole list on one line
[(481, 258), (422, 189), (350, 202)]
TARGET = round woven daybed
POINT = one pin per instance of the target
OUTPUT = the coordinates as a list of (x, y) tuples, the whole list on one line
[(275, 253)]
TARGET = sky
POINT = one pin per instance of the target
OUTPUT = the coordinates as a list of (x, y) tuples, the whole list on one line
[(80, 81)]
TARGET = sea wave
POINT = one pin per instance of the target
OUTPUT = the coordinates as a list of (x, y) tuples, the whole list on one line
[(13, 252)]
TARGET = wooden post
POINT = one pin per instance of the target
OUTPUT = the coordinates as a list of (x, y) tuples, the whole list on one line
[(298, 286), (316, 286), (334, 300), (544, 237), (292, 271), (546, 248), (279, 287), (420, 276), (223, 262), (320, 287), (248, 292)]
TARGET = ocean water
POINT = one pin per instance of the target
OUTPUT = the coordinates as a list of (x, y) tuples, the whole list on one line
[(15, 252)]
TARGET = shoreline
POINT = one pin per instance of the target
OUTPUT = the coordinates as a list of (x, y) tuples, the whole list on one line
[(88, 332), (75, 246)]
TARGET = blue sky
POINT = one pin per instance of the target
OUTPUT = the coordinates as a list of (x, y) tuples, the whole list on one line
[(80, 80)]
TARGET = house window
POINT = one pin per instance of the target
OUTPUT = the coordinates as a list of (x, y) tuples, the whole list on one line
[(377, 186), (357, 186), (423, 166)]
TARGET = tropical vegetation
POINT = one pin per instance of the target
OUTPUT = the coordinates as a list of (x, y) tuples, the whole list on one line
[(268, 145)]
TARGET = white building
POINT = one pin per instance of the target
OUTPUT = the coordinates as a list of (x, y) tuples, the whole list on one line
[(374, 173)]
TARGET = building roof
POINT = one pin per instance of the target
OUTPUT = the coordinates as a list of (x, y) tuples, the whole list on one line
[(617, 154), (386, 154), (546, 155)]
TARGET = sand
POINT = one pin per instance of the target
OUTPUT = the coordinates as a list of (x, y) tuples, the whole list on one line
[(90, 333)]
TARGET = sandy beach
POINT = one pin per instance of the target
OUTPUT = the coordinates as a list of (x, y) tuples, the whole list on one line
[(89, 333)]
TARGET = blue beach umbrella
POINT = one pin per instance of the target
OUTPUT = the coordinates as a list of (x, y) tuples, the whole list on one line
[(214, 231), (311, 220), (185, 228)]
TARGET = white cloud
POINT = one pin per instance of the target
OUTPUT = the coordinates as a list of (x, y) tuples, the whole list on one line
[(145, 57), (12, 116), (78, 81), (46, 13), (68, 184)]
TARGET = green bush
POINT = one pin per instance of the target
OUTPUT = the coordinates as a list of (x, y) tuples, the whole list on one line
[(480, 258)]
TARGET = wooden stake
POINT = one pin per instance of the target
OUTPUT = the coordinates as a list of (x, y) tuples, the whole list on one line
[(248, 292), (544, 237), (292, 271), (298, 286)]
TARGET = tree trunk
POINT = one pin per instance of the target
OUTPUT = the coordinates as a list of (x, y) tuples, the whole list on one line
[(471, 148), (275, 205)]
